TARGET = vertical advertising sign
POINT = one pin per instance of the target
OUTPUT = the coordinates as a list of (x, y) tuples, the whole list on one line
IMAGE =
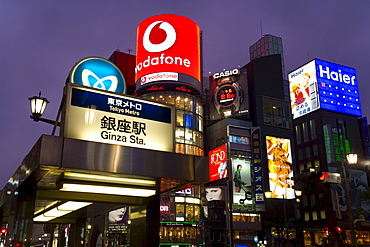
[(257, 168), (242, 184), (279, 157), (167, 49), (217, 160), (303, 90)]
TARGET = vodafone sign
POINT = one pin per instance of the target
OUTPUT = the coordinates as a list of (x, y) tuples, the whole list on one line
[(167, 45)]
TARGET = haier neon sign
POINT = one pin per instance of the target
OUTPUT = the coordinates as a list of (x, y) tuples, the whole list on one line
[(324, 85)]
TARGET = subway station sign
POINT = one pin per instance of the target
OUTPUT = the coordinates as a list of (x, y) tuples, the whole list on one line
[(101, 116)]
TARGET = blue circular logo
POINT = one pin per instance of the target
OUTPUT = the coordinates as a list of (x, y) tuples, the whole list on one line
[(98, 73)]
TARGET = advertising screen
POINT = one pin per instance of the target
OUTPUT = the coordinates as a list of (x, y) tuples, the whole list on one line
[(279, 157), (242, 184), (118, 216), (324, 85), (98, 73), (99, 116), (228, 94), (213, 194), (217, 160), (167, 49)]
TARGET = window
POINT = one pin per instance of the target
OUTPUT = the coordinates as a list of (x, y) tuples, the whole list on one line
[(306, 216), (314, 215), (298, 134), (313, 200), (313, 129), (300, 154), (308, 152), (239, 139), (305, 131), (315, 150), (322, 214), (317, 165), (276, 112), (321, 200)]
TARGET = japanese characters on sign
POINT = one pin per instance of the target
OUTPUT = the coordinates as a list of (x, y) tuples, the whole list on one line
[(116, 119), (258, 178)]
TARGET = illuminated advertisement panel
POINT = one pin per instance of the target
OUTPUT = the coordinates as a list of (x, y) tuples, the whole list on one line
[(167, 49), (242, 184), (213, 194), (118, 216), (324, 85), (217, 161), (257, 169), (98, 73), (99, 116), (358, 184), (279, 156), (338, 88), (228, 95), (303, 90)]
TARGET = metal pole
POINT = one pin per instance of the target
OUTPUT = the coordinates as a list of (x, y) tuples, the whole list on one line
[(349, 207)]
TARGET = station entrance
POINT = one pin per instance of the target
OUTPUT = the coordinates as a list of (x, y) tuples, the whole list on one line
[(70, 190)]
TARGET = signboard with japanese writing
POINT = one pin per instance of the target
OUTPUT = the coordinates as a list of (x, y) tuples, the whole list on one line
[(258, 177), (96, 115)]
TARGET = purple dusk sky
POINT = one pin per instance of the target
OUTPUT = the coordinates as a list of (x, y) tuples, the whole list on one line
[(40, 41)]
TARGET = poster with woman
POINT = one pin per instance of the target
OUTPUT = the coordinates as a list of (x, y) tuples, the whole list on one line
[(303, 90), (280, 167)]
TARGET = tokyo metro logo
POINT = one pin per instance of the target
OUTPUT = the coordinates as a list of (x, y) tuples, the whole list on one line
[(164, 45), (98, 73)]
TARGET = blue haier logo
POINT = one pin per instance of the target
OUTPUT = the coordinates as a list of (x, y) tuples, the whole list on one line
[(336, 72), (98, 73)]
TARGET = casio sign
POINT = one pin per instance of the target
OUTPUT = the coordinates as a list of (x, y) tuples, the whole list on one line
[(226, 73)]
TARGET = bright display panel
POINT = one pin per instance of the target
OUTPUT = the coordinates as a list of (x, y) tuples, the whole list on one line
[(228, 95), (118, 216), (279, 157), (217, 160), (242, 183), (168, 47), (324, 85), (213, 194), (98, 73), (99, 116)]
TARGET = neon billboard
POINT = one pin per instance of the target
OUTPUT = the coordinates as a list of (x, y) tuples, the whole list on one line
[(168, 49), (324, 85)]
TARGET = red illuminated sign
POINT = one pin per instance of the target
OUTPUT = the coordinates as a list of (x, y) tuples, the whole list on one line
[(167, 43), (217, 160)]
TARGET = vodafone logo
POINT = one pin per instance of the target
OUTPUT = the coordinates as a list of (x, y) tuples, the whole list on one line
[(167, 43)]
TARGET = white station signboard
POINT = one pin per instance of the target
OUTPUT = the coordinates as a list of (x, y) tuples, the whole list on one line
[(102, 116)]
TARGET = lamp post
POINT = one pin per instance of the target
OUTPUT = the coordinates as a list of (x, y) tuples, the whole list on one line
[(351, 159), (38, 105)]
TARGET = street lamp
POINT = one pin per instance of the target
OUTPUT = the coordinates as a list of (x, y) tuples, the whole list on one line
[(351, 159), (38, 105)]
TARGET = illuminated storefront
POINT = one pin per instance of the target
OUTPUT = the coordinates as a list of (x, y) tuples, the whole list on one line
[(180, 213)]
